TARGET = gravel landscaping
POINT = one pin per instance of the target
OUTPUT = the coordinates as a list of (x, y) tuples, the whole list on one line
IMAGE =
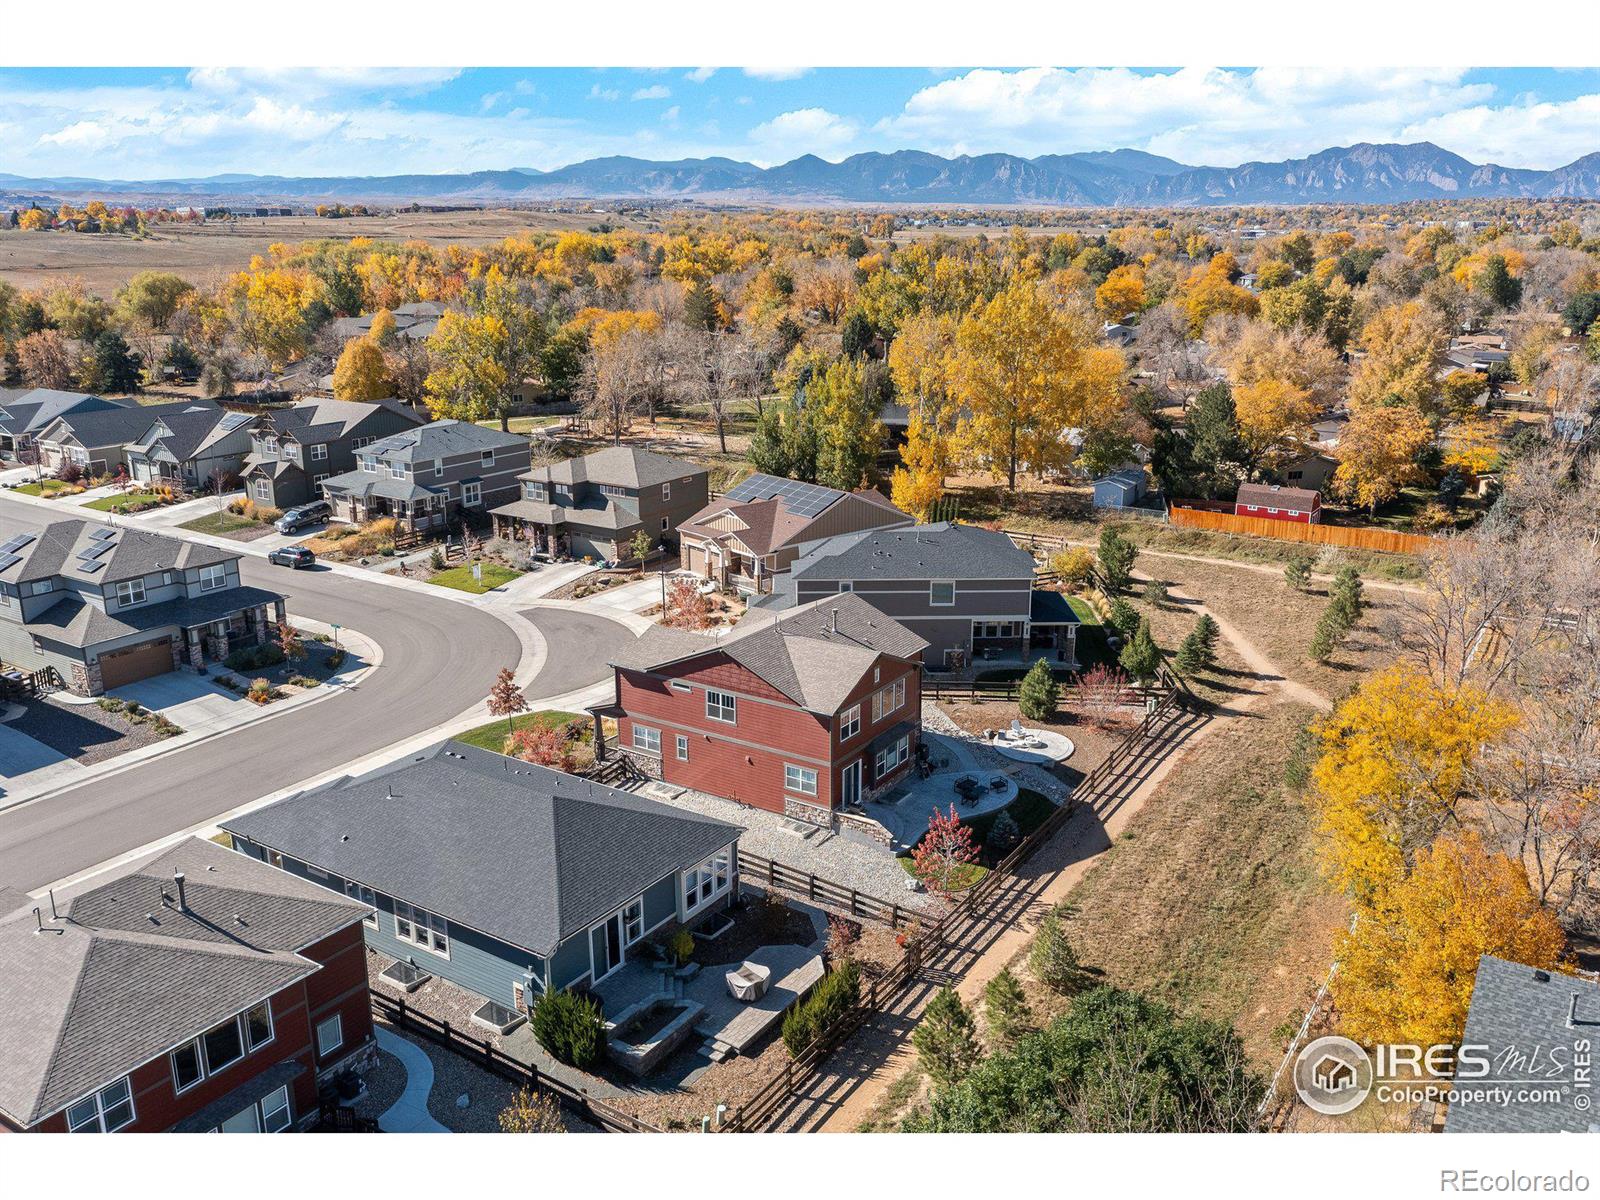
[(385, 1083), (85, 732)]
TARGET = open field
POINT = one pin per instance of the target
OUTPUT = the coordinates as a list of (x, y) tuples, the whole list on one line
[(208, 253)]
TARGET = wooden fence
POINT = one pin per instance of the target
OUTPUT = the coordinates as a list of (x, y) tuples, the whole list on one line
[(755, 869), (1388, 541), (485, 1054), (756, 1112)]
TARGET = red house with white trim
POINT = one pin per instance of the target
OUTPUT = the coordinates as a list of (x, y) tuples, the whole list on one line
[(803, 712), (1277, 503), (198, 990)]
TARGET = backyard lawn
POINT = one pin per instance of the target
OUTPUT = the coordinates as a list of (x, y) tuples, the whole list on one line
[(460, 578), (123, 501)]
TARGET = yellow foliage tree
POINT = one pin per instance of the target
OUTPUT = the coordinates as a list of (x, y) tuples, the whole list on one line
[(1274, 417), (1407, 968), (1377, 454), (1210, 291), (1401, 366), (468, 382), (382, 329), (1026, 369), (361, 373), (1122, 293), (1473, 447), (1396, 759)]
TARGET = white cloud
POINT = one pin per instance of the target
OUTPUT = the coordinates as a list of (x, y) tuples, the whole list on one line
[(777, 74), (310, 82), (700, 74), (803, 131), (655, 91), (670, 116), (596, 92), (1524, 134)]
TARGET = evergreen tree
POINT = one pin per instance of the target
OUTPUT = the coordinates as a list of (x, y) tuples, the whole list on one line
[(946, 1039), (1297, 572), (1191, 658), (702, 307), (1214, 446), (1052, 959), (1155, 593), (1117, 555), (1123, 617), (110, 366), (1328, 634), (1006, 1011), (1346, 598), (1496, 282), (1040, 694), (1452, 486), (856, 337), (1140, 658), (1209, 633)]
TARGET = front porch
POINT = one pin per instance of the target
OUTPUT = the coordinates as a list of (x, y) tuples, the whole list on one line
[(417, 515), (210, 642)]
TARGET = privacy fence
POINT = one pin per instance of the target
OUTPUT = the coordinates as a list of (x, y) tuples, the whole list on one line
[(1350, 537)]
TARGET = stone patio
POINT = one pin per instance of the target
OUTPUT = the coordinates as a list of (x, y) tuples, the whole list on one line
[(905, 811)]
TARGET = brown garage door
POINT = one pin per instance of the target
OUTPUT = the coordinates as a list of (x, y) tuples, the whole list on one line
[(118, 667)]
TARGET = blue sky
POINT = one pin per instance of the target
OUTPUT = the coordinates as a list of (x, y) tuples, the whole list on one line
[(147, 123)]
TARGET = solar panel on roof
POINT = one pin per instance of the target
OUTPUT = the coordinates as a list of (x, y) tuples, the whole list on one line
[(89, 568), (103, 533), (18, 542), (801, 499), (7, 561), (90, 553)]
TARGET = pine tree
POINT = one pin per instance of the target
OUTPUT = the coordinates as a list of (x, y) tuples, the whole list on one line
[(1040, 694), (946, 1039), (1005, 1008), (1052, 959), (1117, 554), (1191, 659), (1327, 636), (1155, 593), (1140, 658), (1209, 633), (1297, 572), (1123, 617), (1346, 598)]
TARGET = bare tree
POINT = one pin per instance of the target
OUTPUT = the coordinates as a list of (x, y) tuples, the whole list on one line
[(615, 377)]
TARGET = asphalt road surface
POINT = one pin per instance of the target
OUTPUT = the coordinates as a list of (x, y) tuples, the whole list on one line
[(439, 658), (578, 647)]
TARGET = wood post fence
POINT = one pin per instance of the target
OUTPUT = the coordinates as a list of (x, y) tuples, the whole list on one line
[(758, 1111)]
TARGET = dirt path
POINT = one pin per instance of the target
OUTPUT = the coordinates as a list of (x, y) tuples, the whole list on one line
[(1056, 870), (1274, 570)]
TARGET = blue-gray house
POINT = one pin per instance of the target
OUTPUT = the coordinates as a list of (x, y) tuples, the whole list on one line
[(504, 878)]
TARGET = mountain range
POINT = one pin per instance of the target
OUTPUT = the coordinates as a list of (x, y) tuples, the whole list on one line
[(1361, 174)]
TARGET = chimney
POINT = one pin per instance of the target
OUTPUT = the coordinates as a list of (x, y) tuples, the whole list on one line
[(183, 899)]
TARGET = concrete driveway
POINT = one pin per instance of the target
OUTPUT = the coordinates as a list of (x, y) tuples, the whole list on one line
[(193, 703), (26, 764)]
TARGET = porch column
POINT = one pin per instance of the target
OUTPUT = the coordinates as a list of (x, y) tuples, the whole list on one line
[(599, 736), (197, 656)]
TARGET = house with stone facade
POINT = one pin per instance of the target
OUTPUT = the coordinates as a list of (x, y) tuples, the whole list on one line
[(194, 990), (806, 712), (106, 606), (96, 440)]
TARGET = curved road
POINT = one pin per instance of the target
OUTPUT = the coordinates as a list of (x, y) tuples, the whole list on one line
[(439, 658)]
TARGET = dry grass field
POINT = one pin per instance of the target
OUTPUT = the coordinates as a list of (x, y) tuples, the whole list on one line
[(208, 253)]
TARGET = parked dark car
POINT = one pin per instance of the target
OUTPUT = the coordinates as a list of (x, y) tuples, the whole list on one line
[(297, 519), (291, 556)]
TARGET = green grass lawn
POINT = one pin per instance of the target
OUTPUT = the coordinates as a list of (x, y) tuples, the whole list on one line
[(42, 487), (123, 501), (523, 424), (492, 736), (460, 578), (1083, 610), (223, 522)]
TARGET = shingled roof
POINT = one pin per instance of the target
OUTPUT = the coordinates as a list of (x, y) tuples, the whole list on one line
[(59, 548), (815, 654), (940, 551), (522, 853), (126, 971), (619, 466)]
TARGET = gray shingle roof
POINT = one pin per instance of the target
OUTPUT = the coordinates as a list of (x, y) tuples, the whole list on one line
[(815, 654), (442, 439), (323, 419), (30, 410), (522, 853), (77, 623), (1271, 495), (118, 426), (942, 551), (620, 466), (130, 975), (134, 552), (1526, 1018)]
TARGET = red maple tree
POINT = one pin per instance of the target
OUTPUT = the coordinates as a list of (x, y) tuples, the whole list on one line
[(941, 856)]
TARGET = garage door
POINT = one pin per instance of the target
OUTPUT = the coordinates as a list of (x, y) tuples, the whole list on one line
[(118, 667)]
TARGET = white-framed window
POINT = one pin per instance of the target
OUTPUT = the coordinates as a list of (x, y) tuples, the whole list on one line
[(534, 491), (217, 1049), (319, 452), (706, 881), (850, 723), (889, 699), (666, 491), (316, 480), (293, 451), (633, 921), (847, 585), (367, 462), (258, 1030), (471, 494), (941, 593), (397, 470), (683, 748), (890, 757), (108, 1110), (801, 780), (438, 468), (722, 706), (130, 591), (275, 1116), (486, 459), (422, 928), (646, 739), (213, 577), (330, 1035), (263, 490), (364, 894)]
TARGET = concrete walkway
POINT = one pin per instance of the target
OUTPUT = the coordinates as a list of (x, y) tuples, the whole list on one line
[(409, 1114)]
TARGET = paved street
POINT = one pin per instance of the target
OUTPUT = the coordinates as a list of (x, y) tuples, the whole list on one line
[(439, 658), (578, 646)]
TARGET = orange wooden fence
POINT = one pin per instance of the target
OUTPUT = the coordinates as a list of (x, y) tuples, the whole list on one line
[(1291, 531)]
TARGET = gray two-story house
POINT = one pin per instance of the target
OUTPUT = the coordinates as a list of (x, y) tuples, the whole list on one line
[(196, 447), (108, 606), (504, 878), (427, 477), (294, 450), (596, 505), (27, 412), (96, 439), (968, 591)]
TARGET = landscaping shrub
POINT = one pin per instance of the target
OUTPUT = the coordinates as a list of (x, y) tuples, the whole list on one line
[(336, 660), (1040, 694), (681, 945), (253, 658), (946, 1039), (570, 1028), (1052, 959), (260, 691), (1003, 835), (834, 996)]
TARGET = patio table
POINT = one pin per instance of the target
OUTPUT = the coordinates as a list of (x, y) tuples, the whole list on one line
[(749, 983)]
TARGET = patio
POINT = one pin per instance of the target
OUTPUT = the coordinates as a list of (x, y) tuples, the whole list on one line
[(905, 810)]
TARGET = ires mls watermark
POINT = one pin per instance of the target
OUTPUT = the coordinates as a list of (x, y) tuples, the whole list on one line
[(1334, 1075)]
